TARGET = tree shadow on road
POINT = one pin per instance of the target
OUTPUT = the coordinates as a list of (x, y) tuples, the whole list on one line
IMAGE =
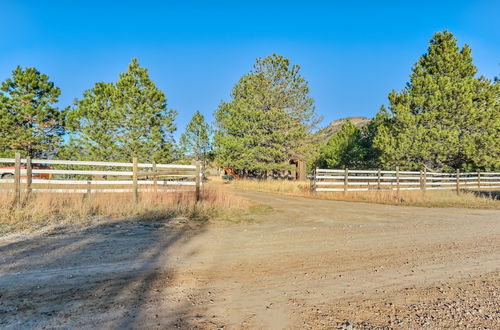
[(111, 275), (492, 194)]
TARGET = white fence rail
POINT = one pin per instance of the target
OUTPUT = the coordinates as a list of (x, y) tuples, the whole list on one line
[(60, 176), (373, 180)]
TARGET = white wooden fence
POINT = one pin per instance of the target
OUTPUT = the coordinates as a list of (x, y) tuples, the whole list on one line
[(372, 180), (46, 175)]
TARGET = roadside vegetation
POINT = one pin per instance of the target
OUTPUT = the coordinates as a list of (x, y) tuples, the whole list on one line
[(442, 198), (54, 210), (446, 117)]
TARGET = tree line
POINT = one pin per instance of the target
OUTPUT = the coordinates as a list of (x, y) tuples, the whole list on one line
[(446, 117), (111, 121)]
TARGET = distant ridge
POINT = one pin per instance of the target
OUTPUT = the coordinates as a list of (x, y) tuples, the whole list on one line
[(326, 133)]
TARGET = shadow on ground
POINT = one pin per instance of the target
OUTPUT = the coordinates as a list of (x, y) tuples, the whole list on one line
[(115, 275), (492, 194)]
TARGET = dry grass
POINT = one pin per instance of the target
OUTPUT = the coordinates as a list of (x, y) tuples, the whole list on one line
[(51, 210), (442, 198), (296, 188)]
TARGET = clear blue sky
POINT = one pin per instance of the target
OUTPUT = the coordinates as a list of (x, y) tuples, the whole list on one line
[(351, 52)]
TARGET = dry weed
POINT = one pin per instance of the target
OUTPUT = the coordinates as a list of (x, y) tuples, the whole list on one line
[(56, 209)]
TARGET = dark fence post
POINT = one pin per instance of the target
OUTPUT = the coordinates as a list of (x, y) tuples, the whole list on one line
[(29, 175), (421, 181), (458, 181), (155, 178), (134, 179), (425, 180), (397, 179), (17, 179), (313, 182), (346, 179), (198, 181), (379, 173)]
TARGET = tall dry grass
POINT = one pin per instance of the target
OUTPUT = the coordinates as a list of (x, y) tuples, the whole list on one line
[(441, 198), (56, 209)]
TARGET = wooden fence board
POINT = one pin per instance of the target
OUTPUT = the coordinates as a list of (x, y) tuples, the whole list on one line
[(96, 163), (371, 180), (160, 177)]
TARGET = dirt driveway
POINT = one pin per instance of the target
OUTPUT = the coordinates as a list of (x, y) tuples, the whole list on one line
[(304, 264)]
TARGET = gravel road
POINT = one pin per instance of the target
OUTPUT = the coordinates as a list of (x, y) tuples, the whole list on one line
[(304, 263)]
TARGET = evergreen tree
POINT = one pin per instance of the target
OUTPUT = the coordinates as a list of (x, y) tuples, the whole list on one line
[(350, 147), (196, 140), (268, 118), (122, 120), (445, 118), (29, 121)]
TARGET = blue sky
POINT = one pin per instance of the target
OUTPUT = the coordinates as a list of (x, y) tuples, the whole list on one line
[(351, 52)]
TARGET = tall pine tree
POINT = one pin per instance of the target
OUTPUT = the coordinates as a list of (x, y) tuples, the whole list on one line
[(446, 117), (196, 141), (30, 122), (127, 119), (268, 118)]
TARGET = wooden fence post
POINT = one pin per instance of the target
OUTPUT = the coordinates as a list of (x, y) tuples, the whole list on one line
[(134, 179), (397, 179), (29, 175), (198, 181), (346, 179), (478, 179), (378, 179), (155, 179), (420, 179), (425, 180), (313, 183), (458, 181), (17, 179), (301, 170)]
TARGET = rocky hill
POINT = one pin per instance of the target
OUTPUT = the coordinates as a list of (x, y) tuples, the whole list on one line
[(326, 133)]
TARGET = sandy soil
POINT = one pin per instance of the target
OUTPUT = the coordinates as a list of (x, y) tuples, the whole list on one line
[(304, 264)]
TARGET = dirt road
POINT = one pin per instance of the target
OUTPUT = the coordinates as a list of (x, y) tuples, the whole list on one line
[(304, 264)]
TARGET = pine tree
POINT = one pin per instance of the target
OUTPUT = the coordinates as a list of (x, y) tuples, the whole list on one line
[(268, 118), (445, 118), (29, 121), (127, 119), (196, 140), (94, 125), (350, 147)]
